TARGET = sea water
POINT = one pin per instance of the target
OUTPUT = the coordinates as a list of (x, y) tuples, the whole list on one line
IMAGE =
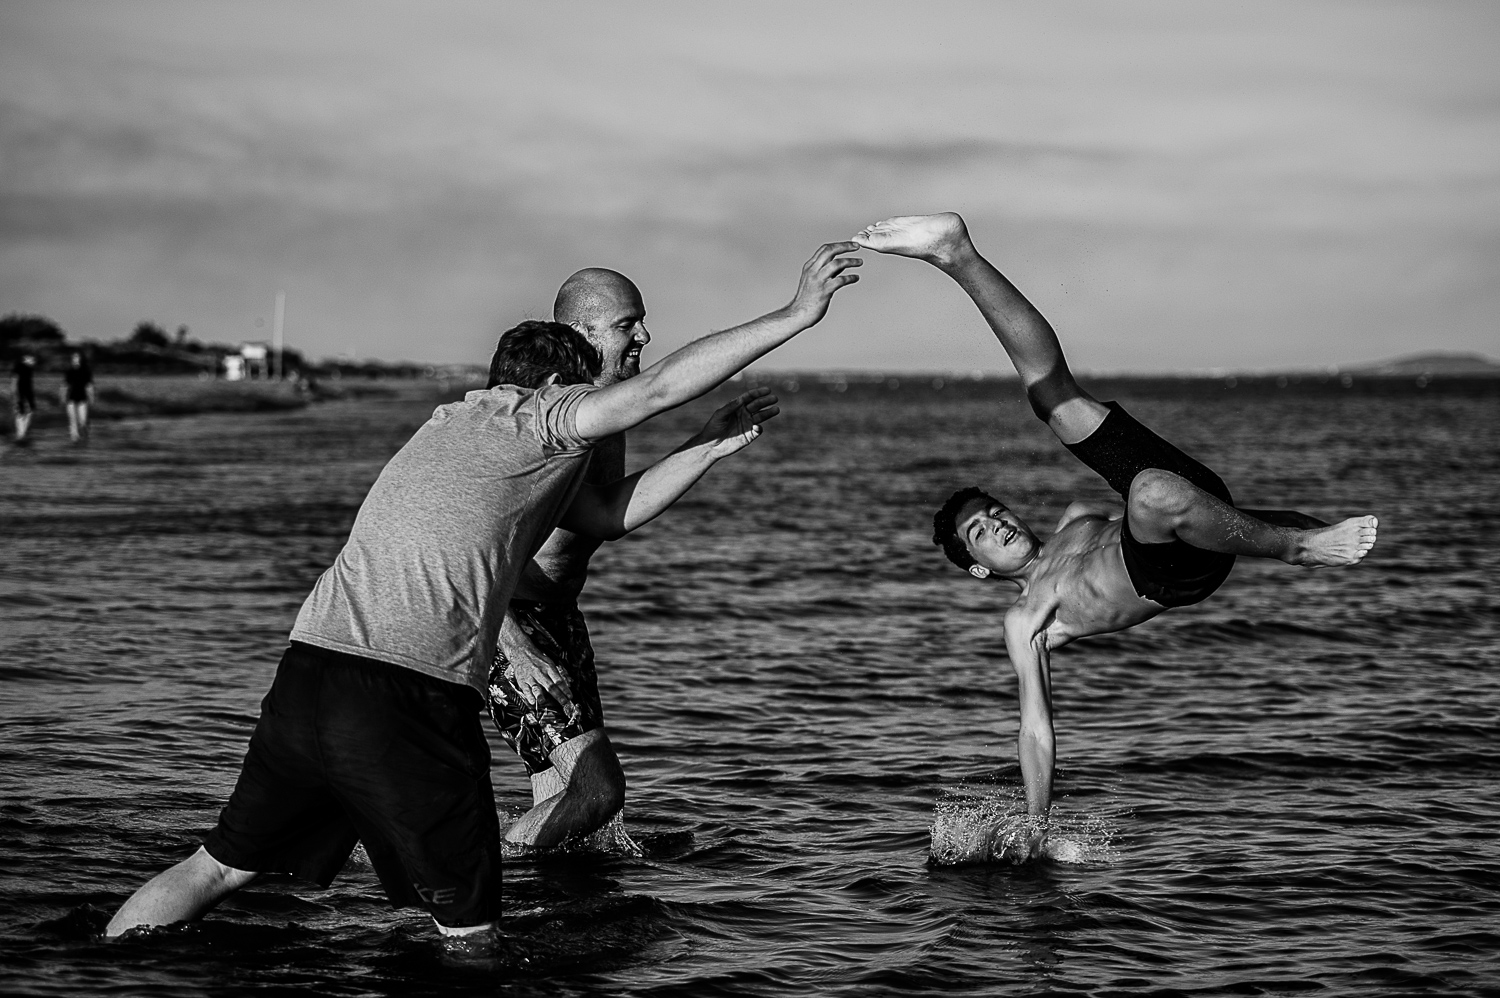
[(1294, 787)]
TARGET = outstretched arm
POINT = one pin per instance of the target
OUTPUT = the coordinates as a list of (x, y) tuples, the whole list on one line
[(706, 363), (608, 512), (943, 241), (1035, 743)]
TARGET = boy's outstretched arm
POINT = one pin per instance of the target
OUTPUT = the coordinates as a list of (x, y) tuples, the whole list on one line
[(1028, 338), (706, 363), (1036, 744)]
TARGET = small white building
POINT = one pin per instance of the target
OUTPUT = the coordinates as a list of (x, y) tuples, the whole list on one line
[(257, 359), (252, 362)]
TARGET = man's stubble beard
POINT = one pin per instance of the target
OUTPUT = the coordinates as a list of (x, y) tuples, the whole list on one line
[(619, 374)]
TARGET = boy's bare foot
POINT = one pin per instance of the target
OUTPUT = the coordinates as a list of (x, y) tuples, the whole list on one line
[(1344, 543), (941, 239)]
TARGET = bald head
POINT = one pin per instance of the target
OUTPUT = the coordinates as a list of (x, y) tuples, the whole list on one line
[(606, 307), (589, 293)]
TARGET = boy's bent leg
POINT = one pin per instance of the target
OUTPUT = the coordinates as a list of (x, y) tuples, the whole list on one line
[(182, 893), (1163, 507), (1284, 518)]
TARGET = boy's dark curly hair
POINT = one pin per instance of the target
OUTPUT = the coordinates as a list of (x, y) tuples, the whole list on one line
[(945, 526)]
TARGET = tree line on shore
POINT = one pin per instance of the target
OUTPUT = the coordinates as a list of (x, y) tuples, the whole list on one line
[(150, 349)]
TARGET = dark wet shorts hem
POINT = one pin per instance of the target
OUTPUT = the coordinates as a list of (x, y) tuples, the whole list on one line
[(1174, 573), (349, 749)]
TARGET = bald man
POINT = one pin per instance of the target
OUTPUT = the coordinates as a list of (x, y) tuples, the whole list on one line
[(544, 693)]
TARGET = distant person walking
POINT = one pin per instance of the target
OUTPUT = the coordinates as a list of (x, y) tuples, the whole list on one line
[(23, 392), (78, 395)]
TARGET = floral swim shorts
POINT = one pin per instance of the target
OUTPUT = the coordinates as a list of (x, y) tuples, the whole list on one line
[(535, 730)]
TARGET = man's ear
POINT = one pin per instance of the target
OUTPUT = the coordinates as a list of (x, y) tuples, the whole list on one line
[(552, 379), (979, 571)]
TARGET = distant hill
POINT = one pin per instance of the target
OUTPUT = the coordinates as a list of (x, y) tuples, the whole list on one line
[(1433, 364)]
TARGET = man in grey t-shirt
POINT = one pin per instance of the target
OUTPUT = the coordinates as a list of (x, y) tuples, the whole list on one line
[(371, 729)]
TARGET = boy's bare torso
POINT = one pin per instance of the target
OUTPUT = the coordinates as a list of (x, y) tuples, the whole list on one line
[(1080, 586)]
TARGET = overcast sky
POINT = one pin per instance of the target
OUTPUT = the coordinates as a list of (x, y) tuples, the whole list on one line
[(1178, 186)]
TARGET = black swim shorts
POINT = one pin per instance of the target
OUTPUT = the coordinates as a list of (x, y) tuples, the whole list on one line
[(535, 730), (1174, 573), (350, 749)]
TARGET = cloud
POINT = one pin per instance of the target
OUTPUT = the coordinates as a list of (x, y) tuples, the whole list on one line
[(1304, 184)]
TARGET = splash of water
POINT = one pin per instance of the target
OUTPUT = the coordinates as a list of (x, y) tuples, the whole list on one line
[(990, 825), (611, 840)]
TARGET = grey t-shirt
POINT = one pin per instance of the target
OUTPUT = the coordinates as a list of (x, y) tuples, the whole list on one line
[(445, 531)]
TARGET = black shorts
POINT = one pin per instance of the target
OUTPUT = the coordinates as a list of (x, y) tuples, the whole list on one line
[(1174, 573), (535, 730), (350, 749)]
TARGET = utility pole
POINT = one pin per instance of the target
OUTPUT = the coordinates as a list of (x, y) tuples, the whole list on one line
[(277, 331)]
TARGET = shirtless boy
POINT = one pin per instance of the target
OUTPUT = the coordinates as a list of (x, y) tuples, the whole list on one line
[(1107, 567)]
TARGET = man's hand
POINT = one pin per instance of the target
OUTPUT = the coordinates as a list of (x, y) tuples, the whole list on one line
[(532, 672), (822, 275), (707, 363), (734, 424)]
